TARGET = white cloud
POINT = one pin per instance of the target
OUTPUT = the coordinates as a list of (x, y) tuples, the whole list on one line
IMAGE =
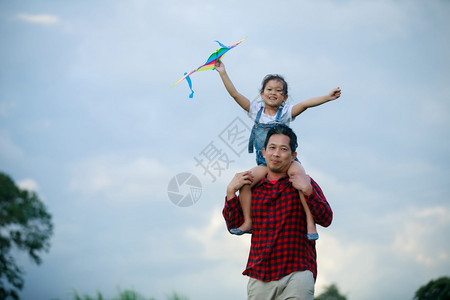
[(223, 255), (417, 236), (216, 243), (28, 184), (43, 19), (121, 179), (411, 242)]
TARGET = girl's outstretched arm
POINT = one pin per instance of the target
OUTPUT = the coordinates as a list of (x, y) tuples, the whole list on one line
[(315, 101), (239, 98)]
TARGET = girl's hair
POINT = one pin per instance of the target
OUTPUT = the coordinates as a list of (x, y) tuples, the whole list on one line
[(275, 77)]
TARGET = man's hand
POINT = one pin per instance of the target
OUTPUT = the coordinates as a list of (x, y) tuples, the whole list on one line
[(301, 183), (238, 181)]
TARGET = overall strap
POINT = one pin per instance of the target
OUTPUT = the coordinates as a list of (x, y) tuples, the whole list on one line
[(258, 115), (251, 141), (277, 118)]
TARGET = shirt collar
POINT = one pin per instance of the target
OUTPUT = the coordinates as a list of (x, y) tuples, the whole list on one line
[(283, 179)]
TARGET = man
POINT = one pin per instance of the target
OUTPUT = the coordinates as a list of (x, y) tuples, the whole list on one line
[(282, 261)]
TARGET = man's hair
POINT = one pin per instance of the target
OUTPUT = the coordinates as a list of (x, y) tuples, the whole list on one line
[(285, 130)]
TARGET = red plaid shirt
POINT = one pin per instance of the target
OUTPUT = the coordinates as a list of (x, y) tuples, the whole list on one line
[(279, 244)]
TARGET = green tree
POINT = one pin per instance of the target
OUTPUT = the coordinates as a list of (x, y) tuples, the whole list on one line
[(25, 225), (331, 293), (438, 289), (126, 295)]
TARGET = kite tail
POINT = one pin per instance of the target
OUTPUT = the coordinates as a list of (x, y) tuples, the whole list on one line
[(188, 79)]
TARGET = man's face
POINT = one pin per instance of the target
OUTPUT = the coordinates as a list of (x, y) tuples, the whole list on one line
[(278, 153)]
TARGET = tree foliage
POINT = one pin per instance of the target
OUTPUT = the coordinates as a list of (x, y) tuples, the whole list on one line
[(127, 295), (438, 289), (25, 225), (331, 293)]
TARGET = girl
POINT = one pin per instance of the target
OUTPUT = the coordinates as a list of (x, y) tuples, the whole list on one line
[(267, 114)]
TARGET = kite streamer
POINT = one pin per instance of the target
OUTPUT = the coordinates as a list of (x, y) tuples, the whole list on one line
[(189, 81), (209, 64)]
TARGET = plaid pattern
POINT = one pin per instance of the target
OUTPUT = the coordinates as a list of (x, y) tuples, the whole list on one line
[(279, 244)]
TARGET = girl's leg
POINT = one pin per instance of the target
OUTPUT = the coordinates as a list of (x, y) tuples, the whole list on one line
[(297, 169), (245, 197)]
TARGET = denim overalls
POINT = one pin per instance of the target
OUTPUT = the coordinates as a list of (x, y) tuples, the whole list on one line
[(259, 133)]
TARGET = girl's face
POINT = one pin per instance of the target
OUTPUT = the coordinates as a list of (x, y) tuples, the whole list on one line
[(273, 93)]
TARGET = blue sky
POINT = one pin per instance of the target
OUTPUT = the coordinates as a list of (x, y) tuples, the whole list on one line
[(88, 121)]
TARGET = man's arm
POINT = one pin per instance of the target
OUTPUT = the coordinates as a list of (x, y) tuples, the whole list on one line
[(319, 206), (315, 101), (232, 212), (238, 181)]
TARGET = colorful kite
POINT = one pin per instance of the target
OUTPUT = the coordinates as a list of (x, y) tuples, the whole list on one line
[(209, 65)]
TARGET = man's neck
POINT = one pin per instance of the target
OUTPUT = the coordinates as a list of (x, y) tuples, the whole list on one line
[(271, 176)]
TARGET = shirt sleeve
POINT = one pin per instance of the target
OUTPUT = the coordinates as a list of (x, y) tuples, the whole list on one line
[(232, 213), (286, 115), (255, 106), (319, 207)]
